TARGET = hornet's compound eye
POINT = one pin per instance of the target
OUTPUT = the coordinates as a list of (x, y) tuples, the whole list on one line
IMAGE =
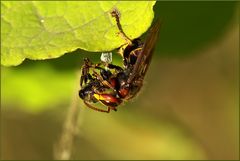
[(106, 57)]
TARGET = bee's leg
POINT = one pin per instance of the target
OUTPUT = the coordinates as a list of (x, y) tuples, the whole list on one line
[(103, 81), (85, 76), (105, 73), (115, 13), (96, 109), (85, 73), (117, 68)]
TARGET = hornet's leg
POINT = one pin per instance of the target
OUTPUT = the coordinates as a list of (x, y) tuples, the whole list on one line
[(115, 13), (85, 76), (98, 109), (117, 68), (104, 82)]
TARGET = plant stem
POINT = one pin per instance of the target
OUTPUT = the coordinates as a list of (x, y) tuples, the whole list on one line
[(63, 148)]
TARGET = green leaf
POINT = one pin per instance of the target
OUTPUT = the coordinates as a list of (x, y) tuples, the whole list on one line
[(44, 30)]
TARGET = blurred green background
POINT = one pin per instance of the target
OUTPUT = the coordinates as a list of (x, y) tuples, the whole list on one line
[(188, 107)]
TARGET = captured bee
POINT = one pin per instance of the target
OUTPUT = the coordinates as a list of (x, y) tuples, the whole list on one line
[(110, 84)]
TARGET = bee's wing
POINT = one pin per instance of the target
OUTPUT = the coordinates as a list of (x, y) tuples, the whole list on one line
[(143, 60)]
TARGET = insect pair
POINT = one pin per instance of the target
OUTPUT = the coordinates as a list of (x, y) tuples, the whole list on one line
[(110, 84)]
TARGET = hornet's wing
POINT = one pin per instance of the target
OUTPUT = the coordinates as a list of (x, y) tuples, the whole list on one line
[(144, 58)]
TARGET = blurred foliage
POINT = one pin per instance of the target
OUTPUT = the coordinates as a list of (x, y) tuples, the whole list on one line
[(45, 30), (144, 128), (45, 88), (187, 27), (138, 137)]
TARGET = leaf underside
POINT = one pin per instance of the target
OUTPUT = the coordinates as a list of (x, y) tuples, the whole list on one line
[(44, 30)]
